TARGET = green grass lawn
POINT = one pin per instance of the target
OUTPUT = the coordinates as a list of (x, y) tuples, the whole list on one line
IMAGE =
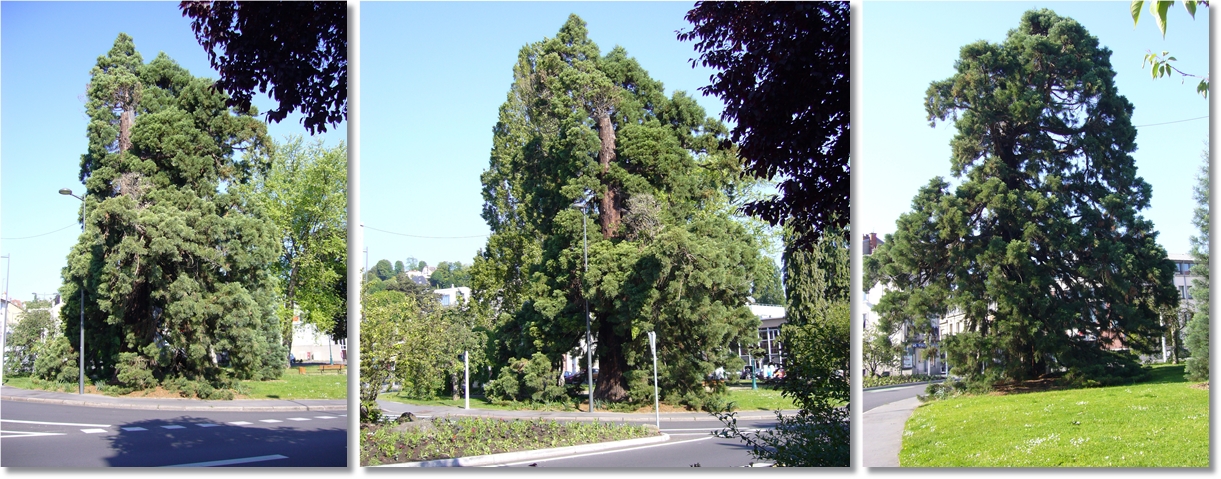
[(762, 399), (1159, 423), (294, 385)]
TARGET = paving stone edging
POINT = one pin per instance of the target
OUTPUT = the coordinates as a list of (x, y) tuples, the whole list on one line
[(507, 457)]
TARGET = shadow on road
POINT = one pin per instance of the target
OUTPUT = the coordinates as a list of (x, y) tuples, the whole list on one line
[(158, 446)]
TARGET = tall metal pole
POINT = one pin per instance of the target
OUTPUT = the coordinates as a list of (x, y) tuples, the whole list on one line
[(4, 333), (656, 398), (589, 344), (466, 377), (80, 389)]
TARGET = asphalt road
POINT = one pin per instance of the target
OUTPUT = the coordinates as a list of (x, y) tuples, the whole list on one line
[(691, 443), (42, 435), (877, 397)]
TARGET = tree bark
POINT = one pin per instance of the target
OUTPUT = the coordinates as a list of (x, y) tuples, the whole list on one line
[(609, 211), (612, 364)]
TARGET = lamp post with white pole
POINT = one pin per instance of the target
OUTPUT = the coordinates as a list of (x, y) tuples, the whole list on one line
[(583, 204), (81, 384), (4, 331)]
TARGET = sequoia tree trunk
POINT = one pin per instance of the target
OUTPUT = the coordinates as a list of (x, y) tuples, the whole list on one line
[(612, 365), (610, 215)]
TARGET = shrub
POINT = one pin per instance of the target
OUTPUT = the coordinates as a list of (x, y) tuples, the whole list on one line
[(57, 361), (133, 372)]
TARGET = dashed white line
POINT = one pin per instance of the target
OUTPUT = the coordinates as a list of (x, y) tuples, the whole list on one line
[(298, 419), (173, 426), (324, 417), (55, 423), (11, 434), (93, 431), (241, 423), (270, 420), (207, 424), (230, 462), (134, 428)]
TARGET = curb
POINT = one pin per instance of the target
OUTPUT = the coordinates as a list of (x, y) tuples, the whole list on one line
[(170, 407), (506, 457), (633, 417), (892, 386)]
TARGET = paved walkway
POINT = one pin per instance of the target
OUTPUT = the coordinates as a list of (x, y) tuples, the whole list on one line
[(397, 408), (882, 428), (9, 393)]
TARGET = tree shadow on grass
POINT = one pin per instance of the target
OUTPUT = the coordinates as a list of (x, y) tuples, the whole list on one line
[(194, 442)]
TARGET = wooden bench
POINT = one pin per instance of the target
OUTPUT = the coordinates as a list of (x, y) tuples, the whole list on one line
[(331, 367)]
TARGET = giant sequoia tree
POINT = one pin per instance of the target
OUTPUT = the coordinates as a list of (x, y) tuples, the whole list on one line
[(1197, 328), (174, 265), (665, 254), (1041, 246)]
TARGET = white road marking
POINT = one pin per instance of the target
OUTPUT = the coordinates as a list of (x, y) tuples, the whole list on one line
[(241, 423), (28, 434), (133, 429), (890, 389), (270, 420), (93, 431), (607, 452), (55, 423), (206, 424), (173, 426), (230, 462), (298, 419), (324, 417)]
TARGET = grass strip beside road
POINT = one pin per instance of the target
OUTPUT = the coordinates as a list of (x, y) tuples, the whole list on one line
[(314, 384), (1159, 423), (444, 438)]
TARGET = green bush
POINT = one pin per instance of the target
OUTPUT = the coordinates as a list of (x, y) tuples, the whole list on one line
[(133, 372), (57, 361), (531, 379), (876, 381)]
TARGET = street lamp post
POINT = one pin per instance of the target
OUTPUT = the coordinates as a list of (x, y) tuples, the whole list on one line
[(4, 331), (583, 203), (81, 384)]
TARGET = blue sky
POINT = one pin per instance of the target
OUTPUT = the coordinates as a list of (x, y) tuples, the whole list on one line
[(907, 45), (46, 52), (433, 76)]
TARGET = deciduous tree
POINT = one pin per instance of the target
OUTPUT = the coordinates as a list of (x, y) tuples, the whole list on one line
[(296, 52), (784, 75)]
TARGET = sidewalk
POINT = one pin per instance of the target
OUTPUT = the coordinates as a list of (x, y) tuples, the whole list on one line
[(397, 408), (9, 393), (882, 429)]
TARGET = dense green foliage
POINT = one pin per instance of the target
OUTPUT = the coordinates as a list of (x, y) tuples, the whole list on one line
[(533, 379), (304, 195), (783, 72), (1041, 246), (450, 275), (665, 253), (34, 326), (407, 339), (173, 262), (878, 351), (1197, 328), (466, 437)]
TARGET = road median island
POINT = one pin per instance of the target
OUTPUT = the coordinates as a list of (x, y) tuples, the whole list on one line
[(472, 441), (10, 393)]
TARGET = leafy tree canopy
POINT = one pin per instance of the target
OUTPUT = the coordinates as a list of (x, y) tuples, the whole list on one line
[(296, 52), (784, 75)]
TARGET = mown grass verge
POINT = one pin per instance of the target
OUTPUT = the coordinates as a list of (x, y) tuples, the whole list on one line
[(314, 384), (1162, 422), (291, 385), (443, 438)]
